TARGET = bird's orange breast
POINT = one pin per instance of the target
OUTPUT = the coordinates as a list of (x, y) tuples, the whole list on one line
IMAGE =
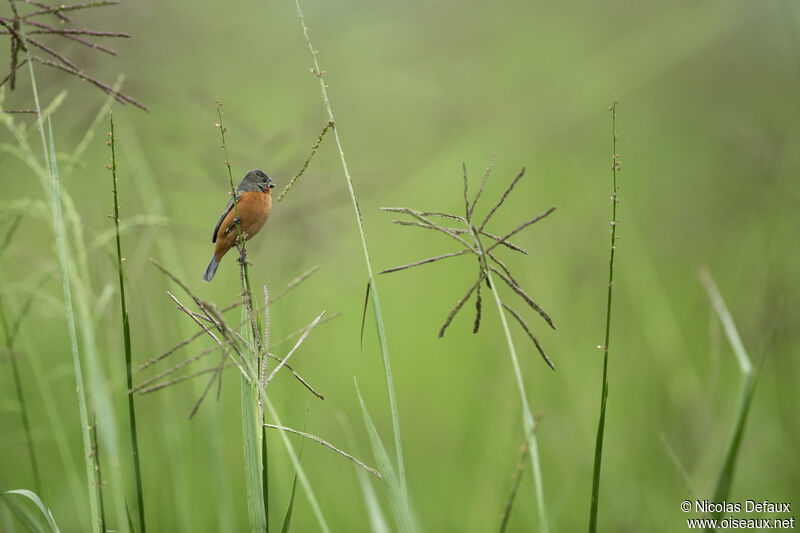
[(253, 208)]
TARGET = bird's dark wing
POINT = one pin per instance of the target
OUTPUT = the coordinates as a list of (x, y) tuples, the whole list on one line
[(224, 214)]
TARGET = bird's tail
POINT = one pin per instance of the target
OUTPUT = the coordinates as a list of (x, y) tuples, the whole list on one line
[(211, 269)]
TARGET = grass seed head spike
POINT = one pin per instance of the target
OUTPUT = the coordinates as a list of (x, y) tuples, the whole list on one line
[(36, 24), (484, 254), (234, 346)]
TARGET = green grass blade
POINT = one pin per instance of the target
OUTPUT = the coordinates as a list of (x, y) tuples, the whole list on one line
[(98, 475), (601, 424), (301, 474), (61, 247), (514, 488), (723, 485), (377, 520), (51, 184), (126, 336), (32, 496), (397, 497), (265, 474), (252, 458), (24, 415), (725, 477), (103, 405), (287, 520), (23, 514), (129, 517), (59, 432), (9, 332), (376, 307), (727, 322), (252, 415), (252, 427), (528, 422)]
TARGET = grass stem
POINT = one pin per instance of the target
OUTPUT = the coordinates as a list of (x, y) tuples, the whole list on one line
[(252, 410), (126, 335), (598, 450), (724, 481), (528, 422), (10, 331), (319, 73), (53, 190)]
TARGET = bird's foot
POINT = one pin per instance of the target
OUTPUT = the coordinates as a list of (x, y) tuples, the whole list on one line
[(242, 255), (236, 222)]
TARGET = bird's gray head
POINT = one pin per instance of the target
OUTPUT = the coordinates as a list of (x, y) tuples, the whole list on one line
[(256, 180)]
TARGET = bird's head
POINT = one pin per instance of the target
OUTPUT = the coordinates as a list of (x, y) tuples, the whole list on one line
[(256, 180)]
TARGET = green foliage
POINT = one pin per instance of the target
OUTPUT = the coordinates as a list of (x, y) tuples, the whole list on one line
[(616, 165), (287, 519), (126, 338), (23, 514), (398, 500), (749, 378)]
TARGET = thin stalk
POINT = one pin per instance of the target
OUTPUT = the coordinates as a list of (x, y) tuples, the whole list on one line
[(8, 329), (37, 480), (528, 422), (233, 188), (126, 335), (371, 278), (98, 476), (61, 247), (252, 412), (514, 488), (300, 472), (327, 445), (598, 449)]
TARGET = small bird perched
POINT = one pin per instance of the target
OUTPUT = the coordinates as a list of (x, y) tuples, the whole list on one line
[(253, 203)]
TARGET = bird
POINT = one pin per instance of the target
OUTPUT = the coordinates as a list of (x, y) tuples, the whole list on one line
[(253, 204)]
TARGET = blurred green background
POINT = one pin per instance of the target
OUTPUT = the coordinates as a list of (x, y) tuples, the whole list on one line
[(708, 126)]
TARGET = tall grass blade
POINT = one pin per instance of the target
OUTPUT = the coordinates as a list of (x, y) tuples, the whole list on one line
[(265, 474), (23, 514), (10, 330), (376, 308), (287, 519), (24, 414), (725, 477), (514, 488), (252, 432), (301, 474), (98, 476), (129, 517), (723, 485), (397, 497), (377, 520), (103, 404), (126, 336), (57, 428), (528, 422), (61, 247), (32, 496), (601, 425), (252, 458)]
